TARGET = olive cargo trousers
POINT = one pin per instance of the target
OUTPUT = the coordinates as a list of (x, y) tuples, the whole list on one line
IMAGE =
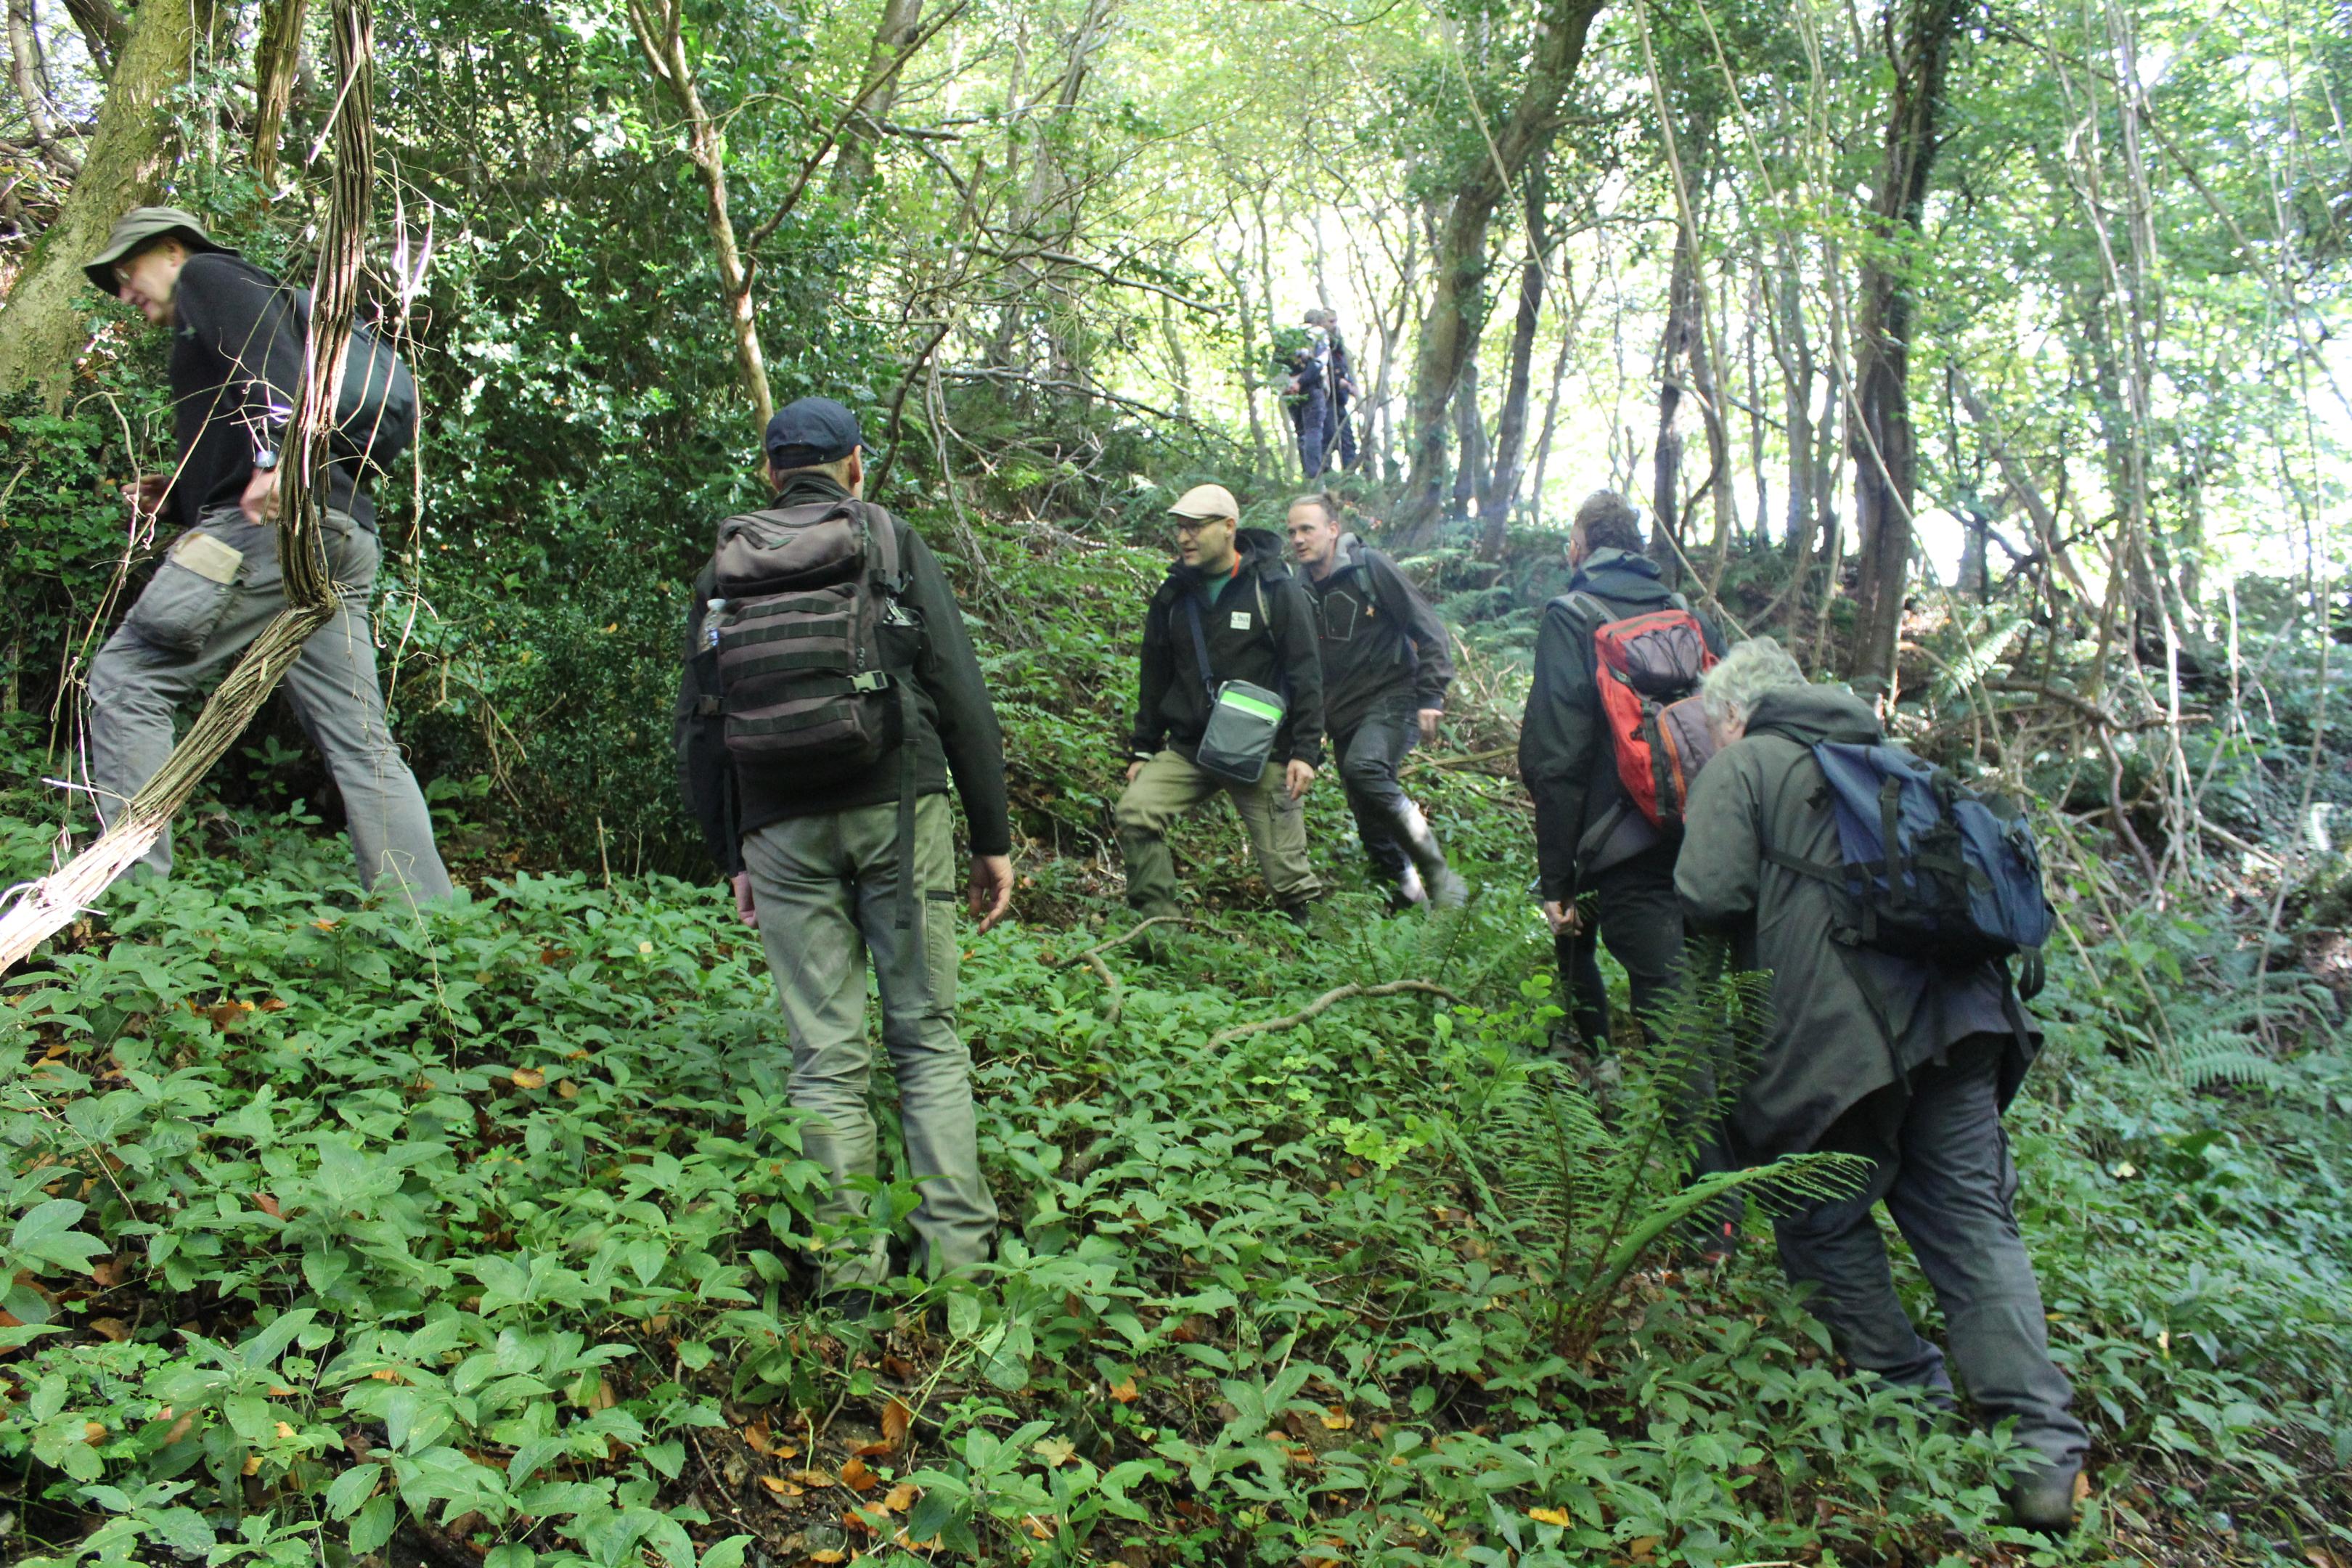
[(1167, 788), (826, 890)]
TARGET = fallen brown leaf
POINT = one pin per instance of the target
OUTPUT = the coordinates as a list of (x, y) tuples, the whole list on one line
[(857, 1476), (1124, 1391), (529, 1078), (902, 1497), (897, 1416), (780, 1486), (1550, 1516), (113, 1329), (814, 1476), (1056, 1451)]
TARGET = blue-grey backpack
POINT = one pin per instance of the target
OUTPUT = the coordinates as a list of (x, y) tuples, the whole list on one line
[(1929, 868)]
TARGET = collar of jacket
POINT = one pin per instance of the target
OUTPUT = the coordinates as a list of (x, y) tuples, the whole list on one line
[(1811, 714), (1346, 555), (808, 485), (1620, 574)]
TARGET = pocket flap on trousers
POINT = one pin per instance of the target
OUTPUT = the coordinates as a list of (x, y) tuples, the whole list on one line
[(208, 558)]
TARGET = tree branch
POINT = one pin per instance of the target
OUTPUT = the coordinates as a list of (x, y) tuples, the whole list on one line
[(1324, 1003)]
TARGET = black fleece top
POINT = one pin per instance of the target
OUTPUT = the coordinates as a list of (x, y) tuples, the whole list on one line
[(955, 723), (1584, 821), (235, 364), (1380, 642), (1261, 629)]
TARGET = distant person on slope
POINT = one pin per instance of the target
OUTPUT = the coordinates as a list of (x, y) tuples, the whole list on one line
[(1386, 666), (1344, 390), (1906, 1063), (235, 362), (1230, 701), (830, 690)]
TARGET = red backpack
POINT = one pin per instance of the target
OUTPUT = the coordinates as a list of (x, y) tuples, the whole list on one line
[(1647, 668)]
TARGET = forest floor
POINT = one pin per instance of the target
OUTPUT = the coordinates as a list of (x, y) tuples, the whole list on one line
[(482, 1240)]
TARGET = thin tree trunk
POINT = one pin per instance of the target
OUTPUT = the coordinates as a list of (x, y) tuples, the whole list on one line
[(1449, 332), (103, 31), (23, 72), (1178, 367), (1511, 424), (1882, 444), (658, 25), (277, 59), (1469, 441), (1551, 423), (42, 331), (48, 905), (884, 61), (1677, 348)]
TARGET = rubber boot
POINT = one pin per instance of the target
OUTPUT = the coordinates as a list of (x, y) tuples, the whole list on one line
[(2044, 1500), (1447, 890), (1408, 890)]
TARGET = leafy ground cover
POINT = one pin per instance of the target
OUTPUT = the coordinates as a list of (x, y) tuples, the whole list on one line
[(335, 1232)]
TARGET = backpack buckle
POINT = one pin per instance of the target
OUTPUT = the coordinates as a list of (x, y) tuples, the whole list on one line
[(871, 681)]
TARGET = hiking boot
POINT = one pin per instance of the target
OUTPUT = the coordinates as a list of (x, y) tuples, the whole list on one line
[(1300, 915), (1447, 890), (2044, 1500), (857, 1308), (1407, 891)]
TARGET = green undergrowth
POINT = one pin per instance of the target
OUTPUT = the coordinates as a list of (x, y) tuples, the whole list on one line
[(323, 1218)]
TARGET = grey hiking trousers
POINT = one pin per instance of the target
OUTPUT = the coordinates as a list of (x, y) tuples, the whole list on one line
[(212, 595), (1942, 1169), (826, 890)]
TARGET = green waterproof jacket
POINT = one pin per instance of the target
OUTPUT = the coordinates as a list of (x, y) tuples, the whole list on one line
[(1845, 1021)]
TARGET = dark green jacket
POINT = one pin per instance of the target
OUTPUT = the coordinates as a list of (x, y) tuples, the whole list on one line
[(1261, 630), (1584, 820), (1845, 1021), (955, 722)]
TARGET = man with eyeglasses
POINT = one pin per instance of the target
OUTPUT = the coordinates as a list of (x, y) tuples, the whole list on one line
[(235, 359), (1230, 611)]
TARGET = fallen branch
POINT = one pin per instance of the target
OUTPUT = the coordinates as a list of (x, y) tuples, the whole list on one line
[(1324, 1004), (1471, 760), (1134, 932)]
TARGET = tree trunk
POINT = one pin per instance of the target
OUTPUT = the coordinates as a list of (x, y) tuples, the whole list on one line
[(277, 59), (25, 75), (1469, 442), (103, 31), (1511, 426), (1677, 349), (658, 26), (1879, 414), (42, 331), (1449, 332), (883, 60)]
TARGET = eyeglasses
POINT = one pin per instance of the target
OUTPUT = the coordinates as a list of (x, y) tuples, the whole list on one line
[(1194, 524)]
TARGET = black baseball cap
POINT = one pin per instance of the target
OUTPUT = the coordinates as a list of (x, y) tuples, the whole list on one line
[(811, 430)]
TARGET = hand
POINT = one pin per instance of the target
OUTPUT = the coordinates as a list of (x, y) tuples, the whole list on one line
[(1297, 776), (1429, 718), (1134, 768), (743, 907), (259, 501), (990, 891), (1566, 919), (148, 490)]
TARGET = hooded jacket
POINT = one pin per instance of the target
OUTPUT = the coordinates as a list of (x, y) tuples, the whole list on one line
[(1845, 1021), (1261, 630), (1380, 640), (1584, 820)]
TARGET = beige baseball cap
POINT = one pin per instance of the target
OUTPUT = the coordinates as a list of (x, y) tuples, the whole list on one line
[(1207, 501)]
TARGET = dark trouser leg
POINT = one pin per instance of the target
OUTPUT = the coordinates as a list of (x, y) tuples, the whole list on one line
[(1836, 1245), (1952, 1199), (1346, 435), (1641, 922), (1362, 755), (1369, 771), (1314, 435), (1579, 955)]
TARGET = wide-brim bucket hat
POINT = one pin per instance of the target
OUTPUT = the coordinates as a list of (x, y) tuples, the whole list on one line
[(142, 227)]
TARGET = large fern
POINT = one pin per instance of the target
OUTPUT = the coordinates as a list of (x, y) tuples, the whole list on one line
[(1610, 1190)]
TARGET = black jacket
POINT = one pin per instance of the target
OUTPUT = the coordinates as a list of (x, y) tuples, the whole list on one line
[(955, 722), (235, 364), (1380, 642), (1261, 630), (1584, 821)]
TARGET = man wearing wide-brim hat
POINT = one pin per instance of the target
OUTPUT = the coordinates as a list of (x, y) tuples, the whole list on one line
[(1229, 618), (235, 362)]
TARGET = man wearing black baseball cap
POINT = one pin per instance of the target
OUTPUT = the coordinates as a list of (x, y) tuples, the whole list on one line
[(235, 361), (821, 851)]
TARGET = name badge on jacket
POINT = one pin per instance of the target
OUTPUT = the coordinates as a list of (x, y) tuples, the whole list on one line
[(1241, 620)]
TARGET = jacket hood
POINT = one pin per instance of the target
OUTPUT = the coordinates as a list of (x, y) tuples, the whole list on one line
[(1811, 714), (1622, 575)]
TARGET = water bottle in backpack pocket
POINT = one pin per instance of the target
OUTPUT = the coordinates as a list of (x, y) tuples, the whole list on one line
[(812, 640), (1929, 868)]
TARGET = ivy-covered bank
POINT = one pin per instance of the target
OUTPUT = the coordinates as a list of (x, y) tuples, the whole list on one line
[(336, 1233)]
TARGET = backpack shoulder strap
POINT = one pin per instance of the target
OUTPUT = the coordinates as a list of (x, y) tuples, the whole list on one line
[(882, 534)]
